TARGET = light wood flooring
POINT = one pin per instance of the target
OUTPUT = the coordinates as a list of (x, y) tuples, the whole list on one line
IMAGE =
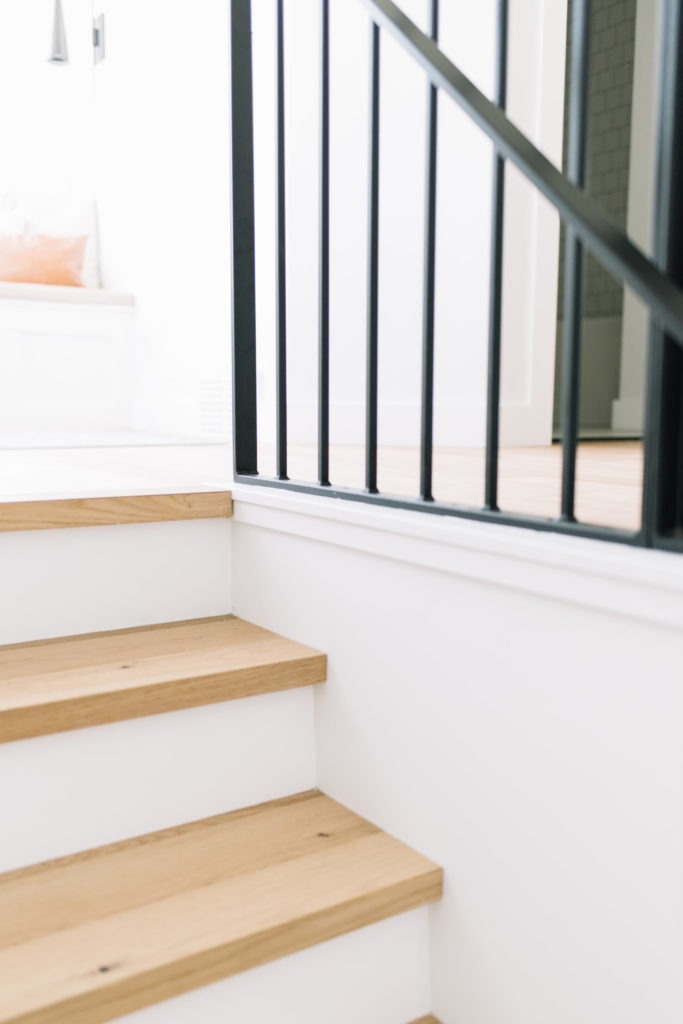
[(608, 487), (609, 477)]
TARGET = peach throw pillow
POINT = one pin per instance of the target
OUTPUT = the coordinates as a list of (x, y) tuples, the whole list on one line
[(42, 259)]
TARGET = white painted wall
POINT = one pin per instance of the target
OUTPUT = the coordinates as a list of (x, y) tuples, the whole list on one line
[(506, 703), (161, 142), (147, 131), (537, 51), (46, 121), (536, 77)]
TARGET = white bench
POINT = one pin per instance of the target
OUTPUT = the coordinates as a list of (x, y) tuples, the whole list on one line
[(66, 358)]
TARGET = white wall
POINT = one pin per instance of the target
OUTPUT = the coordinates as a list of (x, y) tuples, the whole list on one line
[(536, 78), (147, 131), (467, 33), (161, 141), (46, 119), (508, 704)]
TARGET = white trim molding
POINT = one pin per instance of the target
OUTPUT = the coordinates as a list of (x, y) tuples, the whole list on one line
[(25, 292), (631, 582)]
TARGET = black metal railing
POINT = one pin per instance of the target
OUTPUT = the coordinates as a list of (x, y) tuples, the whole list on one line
[(657, 282)]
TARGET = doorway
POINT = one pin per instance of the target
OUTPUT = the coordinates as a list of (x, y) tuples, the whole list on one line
[(621, 108)]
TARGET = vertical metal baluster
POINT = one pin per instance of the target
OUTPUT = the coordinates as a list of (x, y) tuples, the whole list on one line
[(281, 287), (496, 278), (427, 426), (243, 267), (324, 298), (373, 271), (573, 278)]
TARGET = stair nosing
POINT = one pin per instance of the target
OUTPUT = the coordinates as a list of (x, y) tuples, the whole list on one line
[(113, 510), (127, 686)]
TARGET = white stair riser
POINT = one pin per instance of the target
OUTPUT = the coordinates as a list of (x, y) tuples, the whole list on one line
[(376, 975), (85, 579), (74, 790)]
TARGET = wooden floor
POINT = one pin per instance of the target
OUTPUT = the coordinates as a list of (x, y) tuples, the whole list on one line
[(608, 485), (609, 477)]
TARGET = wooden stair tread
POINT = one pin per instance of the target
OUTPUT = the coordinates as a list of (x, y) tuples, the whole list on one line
[(55, 513), (87, 938), (427, 1020), (49, 686)]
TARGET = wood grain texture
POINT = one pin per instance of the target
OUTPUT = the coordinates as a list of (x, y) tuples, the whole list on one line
[(113, 511), (87, 938), (53, 685)]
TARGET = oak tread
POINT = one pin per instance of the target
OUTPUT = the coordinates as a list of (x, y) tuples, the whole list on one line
[(50, 686), (88, 938), (115, 510)]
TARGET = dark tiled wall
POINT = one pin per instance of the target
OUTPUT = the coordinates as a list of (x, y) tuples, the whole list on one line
[(613, 25)]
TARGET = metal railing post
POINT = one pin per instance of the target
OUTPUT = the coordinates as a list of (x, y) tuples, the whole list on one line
[(243, 263), (496, 278)]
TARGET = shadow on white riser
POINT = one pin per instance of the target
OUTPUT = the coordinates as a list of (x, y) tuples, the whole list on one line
[(376, 975), (60, 582), (74, 790)]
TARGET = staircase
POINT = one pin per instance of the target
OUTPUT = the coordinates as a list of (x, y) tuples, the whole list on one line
[(161, 827)]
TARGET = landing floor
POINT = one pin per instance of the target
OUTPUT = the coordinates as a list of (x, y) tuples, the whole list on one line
[(608, 487), (609, 477)]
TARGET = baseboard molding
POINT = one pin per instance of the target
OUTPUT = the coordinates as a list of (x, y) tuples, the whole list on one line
[(631, 582)]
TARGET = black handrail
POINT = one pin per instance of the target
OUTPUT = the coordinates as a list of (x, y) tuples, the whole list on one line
[(610, 245)]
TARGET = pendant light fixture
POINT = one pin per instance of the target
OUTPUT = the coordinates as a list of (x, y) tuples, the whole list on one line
[(58, 53)]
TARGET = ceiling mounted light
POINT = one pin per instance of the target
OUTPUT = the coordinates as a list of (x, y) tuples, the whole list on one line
[(58, 53)]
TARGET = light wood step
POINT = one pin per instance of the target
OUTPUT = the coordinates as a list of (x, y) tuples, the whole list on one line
[(49, 686), (427, 1020), (87, 938), (55, 513)]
